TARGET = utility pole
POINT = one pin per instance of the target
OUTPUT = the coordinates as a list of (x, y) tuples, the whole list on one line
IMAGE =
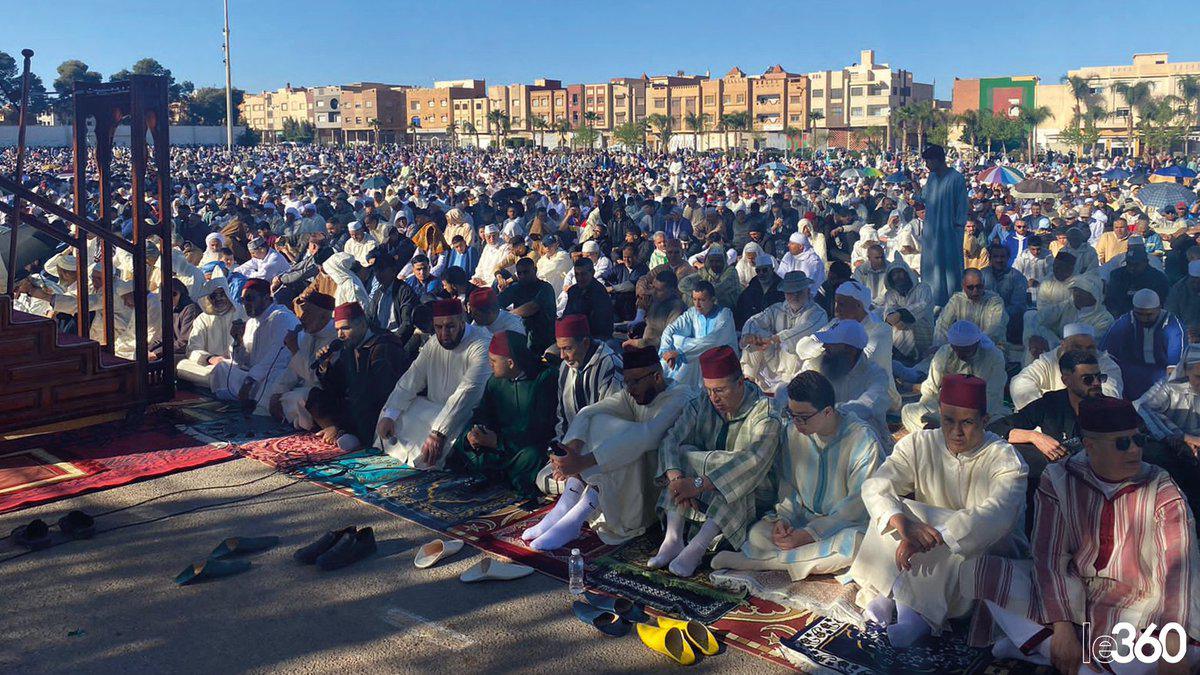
[(228, 86)]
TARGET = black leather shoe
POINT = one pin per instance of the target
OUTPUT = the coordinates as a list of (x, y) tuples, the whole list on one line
[(77, 525), (309, 554), (349, 549), (35, 535)]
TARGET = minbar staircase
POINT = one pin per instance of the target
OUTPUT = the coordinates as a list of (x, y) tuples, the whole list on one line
[(47, 376)]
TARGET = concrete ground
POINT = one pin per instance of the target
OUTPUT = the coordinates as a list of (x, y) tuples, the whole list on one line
[(108, 605)]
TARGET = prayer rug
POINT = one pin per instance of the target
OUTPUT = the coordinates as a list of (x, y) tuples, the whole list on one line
[(108, 455), (231, 425), (35, 467), (821, 594), (500, 532), (830, 646)]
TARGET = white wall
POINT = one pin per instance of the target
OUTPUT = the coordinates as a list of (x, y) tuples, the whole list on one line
[(60, 136)]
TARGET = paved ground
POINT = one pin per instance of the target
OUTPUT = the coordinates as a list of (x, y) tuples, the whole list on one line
[(108, 605)]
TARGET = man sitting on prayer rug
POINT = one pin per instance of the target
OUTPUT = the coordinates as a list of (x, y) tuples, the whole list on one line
[(258, 353), (858, 382), (606, 476), (514, 422), (354, 382), (590, 369), (1145, 342), (1113, 542), (452, 371), (288, 394), (1043, 375), (974, 303), (1171, 410), (769, 338), (819, 517), (703, 326), (969, 352), (713, 458), (928, 559)]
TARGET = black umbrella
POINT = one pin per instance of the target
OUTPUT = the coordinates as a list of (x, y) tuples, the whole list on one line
[(508, 194), (813, 183)]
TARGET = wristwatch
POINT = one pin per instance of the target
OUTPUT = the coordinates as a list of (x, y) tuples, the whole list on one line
[(698, 481)]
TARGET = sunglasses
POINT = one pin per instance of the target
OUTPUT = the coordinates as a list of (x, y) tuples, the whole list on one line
[(1138, 439), (1089, 378)]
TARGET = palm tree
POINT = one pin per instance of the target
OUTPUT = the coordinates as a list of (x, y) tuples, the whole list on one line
[(737, 122), (1081, 92), (540, 125), (562, 128), (493, 118), (452, 133), (376, 125), (696, 121), (1189, 92), (791, 133), (902, 117), (662, 125), (815, 116), (469, 128), (1135, 96), (1032, 117), (969, 120)]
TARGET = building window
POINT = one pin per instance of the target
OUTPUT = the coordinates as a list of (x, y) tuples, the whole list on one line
[(660, 102), (856, 91), (358, 120), (793, 118), (856, 112), (710, 100), (818, 93), (320, 104), (370, 105), (837, 111), (726, 100), (835, 93), (794, 100), (443, 103), (283, 107), (876, 110), (358, 104), (443, 118), (416, 105), (741, 98)]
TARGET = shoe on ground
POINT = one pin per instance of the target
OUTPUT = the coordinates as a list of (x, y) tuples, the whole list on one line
[(348, 550), (309, 554)]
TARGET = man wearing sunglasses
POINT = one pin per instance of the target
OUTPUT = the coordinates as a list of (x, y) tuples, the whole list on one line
[(1043, 375), (819, 518), (976, 304), (1113, 541)]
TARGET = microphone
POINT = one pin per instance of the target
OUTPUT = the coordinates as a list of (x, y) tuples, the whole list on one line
[(335, 346)]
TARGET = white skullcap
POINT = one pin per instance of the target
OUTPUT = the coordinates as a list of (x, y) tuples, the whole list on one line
[(1073, 329), (854, 289), (849, 333), (591, 247), (1194, 268), (491, 229), (355, 226), (804, 222), (798, 238), (1145, 299), (963, 333), (214, 236)]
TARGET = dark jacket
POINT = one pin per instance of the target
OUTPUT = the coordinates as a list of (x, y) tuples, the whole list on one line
[(592, 301), (356, 384), (755, 299)]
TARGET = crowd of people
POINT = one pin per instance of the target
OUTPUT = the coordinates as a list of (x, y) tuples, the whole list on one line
[(967, 403)]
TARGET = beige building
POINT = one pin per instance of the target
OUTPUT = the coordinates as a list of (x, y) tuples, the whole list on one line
[(1163, 76), (266, 112), (863, 94), (523, 103), (443, 104), (372, 112)]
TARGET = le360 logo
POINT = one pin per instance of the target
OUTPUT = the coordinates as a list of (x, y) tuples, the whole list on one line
[(1126, 645)]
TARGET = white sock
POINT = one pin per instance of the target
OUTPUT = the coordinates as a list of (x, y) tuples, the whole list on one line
[(909, 627), (568, 527), (571, 492), (672, 542), (880, 610), (685, 564)]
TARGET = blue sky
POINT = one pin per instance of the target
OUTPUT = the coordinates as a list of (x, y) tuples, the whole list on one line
[(311, 42)]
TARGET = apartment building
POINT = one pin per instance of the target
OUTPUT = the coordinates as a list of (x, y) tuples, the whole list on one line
[(373, 112), (524, 103), (1156, 69), (862, 94), (265, 112), (431, 110), (327, 114)]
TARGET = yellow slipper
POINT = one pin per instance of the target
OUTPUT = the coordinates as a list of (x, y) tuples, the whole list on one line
[(669, 641), (696, 633)]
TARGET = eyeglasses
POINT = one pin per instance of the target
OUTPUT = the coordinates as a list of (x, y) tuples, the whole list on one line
[(1138, 439), (1089, 378), (790, 416), (634, 381)]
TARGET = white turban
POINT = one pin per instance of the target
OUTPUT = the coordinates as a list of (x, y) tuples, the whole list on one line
[(214, 236), (855, 289), (1073, 329), (963, 333), (798, 238), (849, 333), (1145, 299)]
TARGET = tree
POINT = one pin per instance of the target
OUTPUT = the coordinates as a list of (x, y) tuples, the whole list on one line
[(815, 116), (1081, 92), (70, 72), (1032, 118), (1189, 92), (901, 118), (792, 133), (10, 91), (628, 134), (662, 126), (871, 137), (469, 128), (591, 117), (501, 120), (539, 125), (452, 133), (585, 136), (696, 121), (303, 132), (207, 106), (736, 122), (1134, 96), (968, 122), (176, 91), (1164, 122), (562, 128)]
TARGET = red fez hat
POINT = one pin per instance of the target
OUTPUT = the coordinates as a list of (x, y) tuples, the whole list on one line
[(719, 363), (484, 297), (964, 391), (450, 307), (1106, 415), (572, 326), (257, 284), (321, 300), (499, 345), (348, 311)]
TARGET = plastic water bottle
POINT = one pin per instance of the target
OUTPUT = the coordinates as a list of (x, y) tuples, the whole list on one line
[(575, 569)]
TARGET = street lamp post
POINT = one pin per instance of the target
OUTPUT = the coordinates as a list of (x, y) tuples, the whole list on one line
[(228, 86)]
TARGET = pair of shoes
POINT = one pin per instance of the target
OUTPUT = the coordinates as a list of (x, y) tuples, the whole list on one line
[(225, 560), (36, 534), (679, 640), (610, 615), (433, 552), (490, 569), (339, 548)]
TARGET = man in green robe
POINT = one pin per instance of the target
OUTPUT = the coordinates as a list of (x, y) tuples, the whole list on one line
[(513, 424)]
